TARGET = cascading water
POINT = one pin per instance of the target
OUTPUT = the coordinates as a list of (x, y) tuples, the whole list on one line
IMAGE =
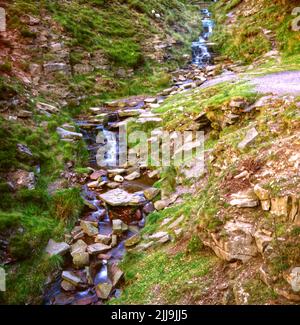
[(200, 53)]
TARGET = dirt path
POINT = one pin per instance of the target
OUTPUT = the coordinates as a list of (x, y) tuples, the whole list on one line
[(281, 83)]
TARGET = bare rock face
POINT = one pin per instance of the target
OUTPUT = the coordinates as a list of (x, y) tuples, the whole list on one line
[(236, 243)]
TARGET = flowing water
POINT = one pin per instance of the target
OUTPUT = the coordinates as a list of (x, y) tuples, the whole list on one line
[(201, 55)]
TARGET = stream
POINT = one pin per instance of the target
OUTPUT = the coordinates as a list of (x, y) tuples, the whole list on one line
[(98, 278)]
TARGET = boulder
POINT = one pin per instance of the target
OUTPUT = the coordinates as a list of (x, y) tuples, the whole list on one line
[(133, 176), (132, 241), (54, 248), (103, 290), (71, 277), (115, 274), (103, 239), (293, 278), (251, 135), (235, 243), (81, 259), (246, 199), (79, 247), (118, 226), (89, 228), (151, 193), (98, 248), (119, 197), (67, 286)]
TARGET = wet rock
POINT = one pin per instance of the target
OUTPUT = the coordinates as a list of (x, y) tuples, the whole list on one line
[(71, 277), (118, 226), (250, 137), (86, 300), (103, 290), (246, 199), (22, 179), (98, 248), (54, 248), (64, 299), (279, 206), (132, 241), (65, 134), (133, 176), (90, 205), (151, 193), (119, 197), (103, 239), (89, 228), (67, 286), (148, 208), (293, 278), (119, 179), (115, 274), (97, 174)]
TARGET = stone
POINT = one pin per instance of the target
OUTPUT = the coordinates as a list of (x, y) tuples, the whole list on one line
[(81, 259), (118, 226), (112, 185), (132, 241), (115, 172), (71, 277), (250, 137), (133, 176), (144, 246), (93, 184), (67, 286), (65, 134), (98, 248), (235, 243), (114, 240), (178, 232), (177, 222), (119, 179), (103, 239), (154, 173), (97, 174), (279, 206), (261, 193), (79, 247), (262, 241), (22, 179), (161, 204), (103, 290), (245, 199), (23, 149), (293, 278), (119, 197), (148, 208), (158, 235), (164, 239), (55, 66), (131, 112), (150, 100), (89, 228), (54, 248), (44, 107), (90, 205), (151, 193), (24, 114), (115, 274)]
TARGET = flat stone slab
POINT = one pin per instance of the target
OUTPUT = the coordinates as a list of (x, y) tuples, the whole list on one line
[(119, 197), (98, 248)]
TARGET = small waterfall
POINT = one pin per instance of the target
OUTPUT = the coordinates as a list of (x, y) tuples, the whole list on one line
[(200, 52), (107, 153)]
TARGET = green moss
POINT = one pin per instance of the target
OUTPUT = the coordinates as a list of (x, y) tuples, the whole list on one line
[(259, 293)]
